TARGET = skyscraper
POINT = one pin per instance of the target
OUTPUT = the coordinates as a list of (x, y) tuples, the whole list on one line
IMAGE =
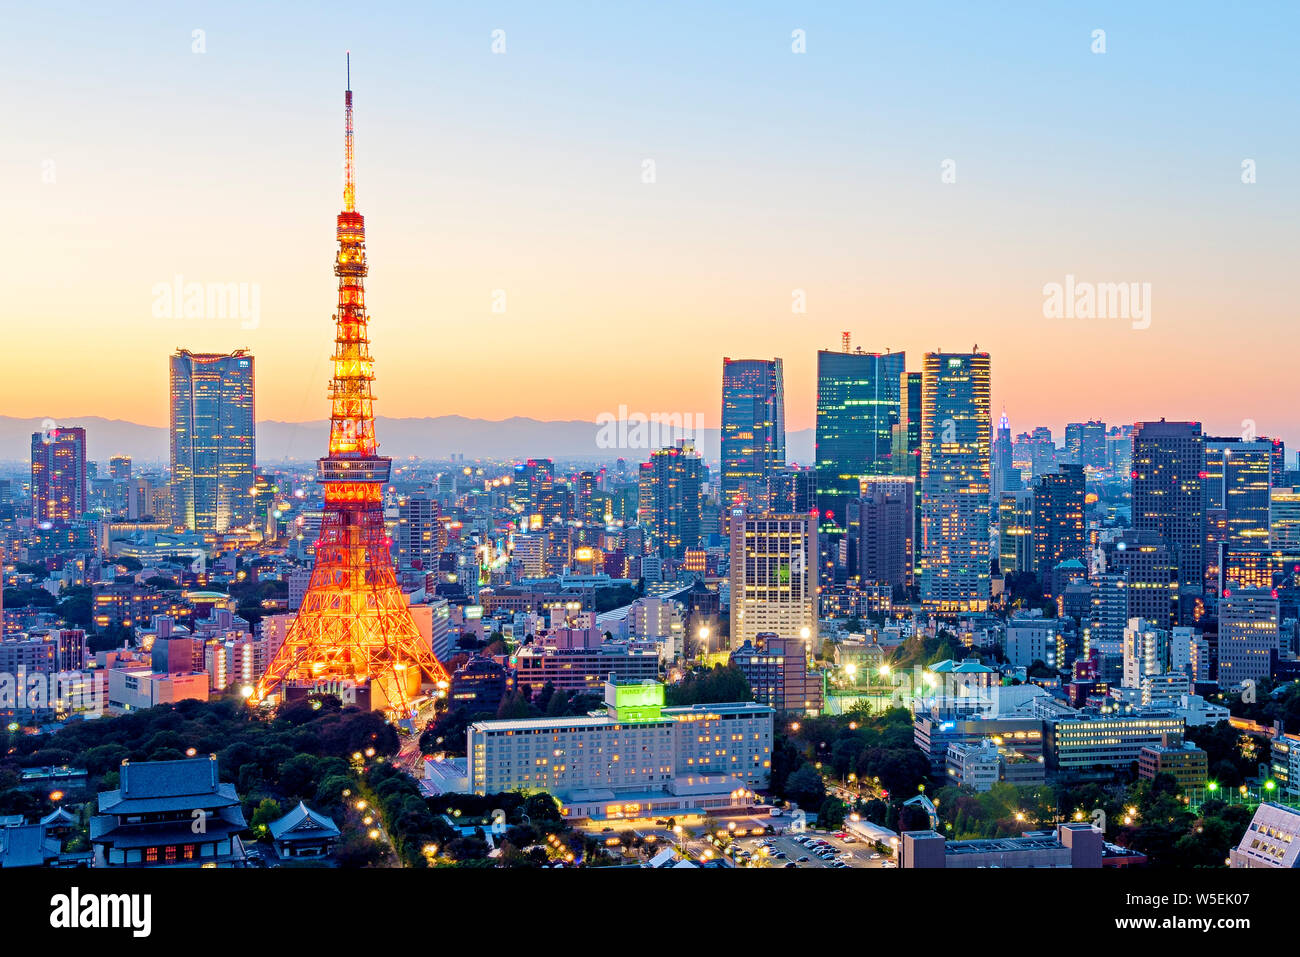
[(1238, 480), (1248, 636), (1168, 496), (955, 452), (753, 430), (1005, 476), (669, 499), (1016, 532), (213, 440), (858, 398), (773, 581), (1059, 533), (1085, 444), (881, 519), (419, 534), (59, 488)]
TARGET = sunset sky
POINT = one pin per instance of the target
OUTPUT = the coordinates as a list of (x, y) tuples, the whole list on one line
[(775, 171)]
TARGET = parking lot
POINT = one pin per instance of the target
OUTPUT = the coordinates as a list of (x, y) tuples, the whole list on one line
[(786, 848)]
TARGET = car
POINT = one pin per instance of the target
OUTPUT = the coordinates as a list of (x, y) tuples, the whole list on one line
[(605, 829), (849, 839), (890, 864), (875, 857), (839, 864), (789, 864), (804, 859), (779, 855)]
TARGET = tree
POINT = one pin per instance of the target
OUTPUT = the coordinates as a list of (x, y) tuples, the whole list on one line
[(832, 813), (805, 786), (267, 812)]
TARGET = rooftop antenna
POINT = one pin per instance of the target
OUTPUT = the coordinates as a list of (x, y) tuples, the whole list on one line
[(349, 184), (845, 338)]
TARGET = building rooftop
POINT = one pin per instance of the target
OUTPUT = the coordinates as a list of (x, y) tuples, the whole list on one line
[(148, 787)]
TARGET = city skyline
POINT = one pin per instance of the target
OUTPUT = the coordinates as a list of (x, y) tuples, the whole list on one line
[(462, 216)]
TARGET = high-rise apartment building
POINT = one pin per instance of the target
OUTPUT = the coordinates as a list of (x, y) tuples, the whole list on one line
[(753, 431), (419, 536), (858, 401), (213, 440), (955, 452), (59, 486), (773, 576)]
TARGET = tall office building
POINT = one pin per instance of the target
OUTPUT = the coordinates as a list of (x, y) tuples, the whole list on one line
[(1284, 517), (1238, 480), (1059, 533), (213, 440), (1248, 636), (794, 489), (1085, 444), (119, 468), (955, 451), (1168, 496), (753, 431), (59, 486), (773, 578), (1016, 532), (1150, 568), (907, 443), (1005, 475), (880, 520), (857, 408), (670, 499)]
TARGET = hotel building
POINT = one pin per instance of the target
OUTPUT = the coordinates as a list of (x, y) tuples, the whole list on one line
[(638, 759)]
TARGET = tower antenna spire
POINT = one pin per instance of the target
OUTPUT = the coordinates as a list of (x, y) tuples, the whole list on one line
[(349, 183)]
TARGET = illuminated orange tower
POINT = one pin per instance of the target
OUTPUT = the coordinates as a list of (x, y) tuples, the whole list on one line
[(354, 629)]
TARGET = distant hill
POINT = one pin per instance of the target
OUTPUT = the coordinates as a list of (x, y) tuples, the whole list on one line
[(430, 438)]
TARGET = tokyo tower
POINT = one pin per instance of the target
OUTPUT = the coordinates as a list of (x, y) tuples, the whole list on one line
[(354, 629)]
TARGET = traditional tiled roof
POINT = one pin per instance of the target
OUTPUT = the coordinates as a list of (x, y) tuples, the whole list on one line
[(302, 821), (26, 846), (150, 787), (59, 817)]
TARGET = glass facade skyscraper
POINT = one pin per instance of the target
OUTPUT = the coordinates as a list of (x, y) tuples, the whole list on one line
[(1169, 496), (753, 431), (858, 399), (213, 440), (955, 453)]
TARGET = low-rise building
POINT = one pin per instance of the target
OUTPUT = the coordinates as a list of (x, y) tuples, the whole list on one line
[(1271, 840), (1071, 846), (638, 759), (1188, 764)]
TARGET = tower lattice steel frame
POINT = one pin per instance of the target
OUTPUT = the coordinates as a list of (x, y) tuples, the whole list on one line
[(354, 624)]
